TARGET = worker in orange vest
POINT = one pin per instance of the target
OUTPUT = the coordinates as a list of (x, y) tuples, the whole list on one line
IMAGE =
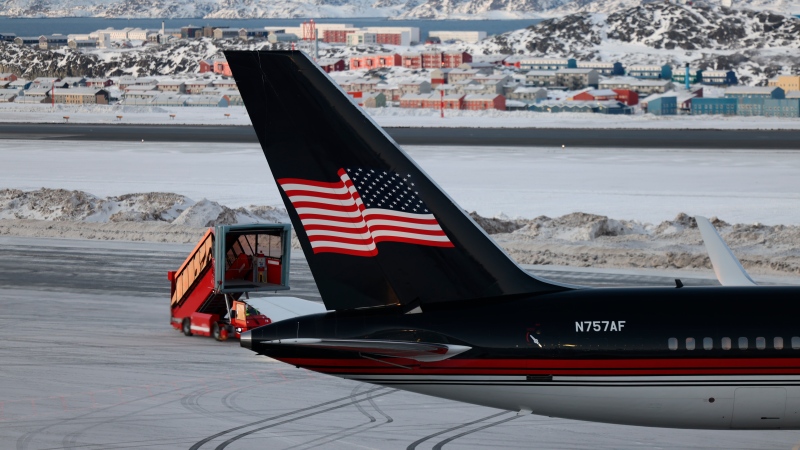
[(261, 267)]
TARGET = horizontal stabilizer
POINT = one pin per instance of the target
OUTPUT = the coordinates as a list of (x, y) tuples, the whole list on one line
[(418, 351), (728, 269)]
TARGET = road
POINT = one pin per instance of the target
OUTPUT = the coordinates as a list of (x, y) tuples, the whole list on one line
[(89, 361), (490, 137)]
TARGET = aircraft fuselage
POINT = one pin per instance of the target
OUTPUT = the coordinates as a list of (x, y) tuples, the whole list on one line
[(690, 358)]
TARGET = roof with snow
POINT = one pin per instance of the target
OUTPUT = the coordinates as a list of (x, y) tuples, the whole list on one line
[(763, 90)]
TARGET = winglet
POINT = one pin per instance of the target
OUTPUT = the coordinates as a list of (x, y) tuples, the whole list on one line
[(728, 269)]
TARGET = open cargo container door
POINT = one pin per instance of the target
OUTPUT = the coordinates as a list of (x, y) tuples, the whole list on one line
[(228, 263)]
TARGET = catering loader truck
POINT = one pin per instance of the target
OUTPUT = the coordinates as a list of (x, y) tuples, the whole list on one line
[(210, 289)]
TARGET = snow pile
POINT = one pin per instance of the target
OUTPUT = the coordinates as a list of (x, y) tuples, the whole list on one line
[(588, 240), (576, 239), (79, 206)]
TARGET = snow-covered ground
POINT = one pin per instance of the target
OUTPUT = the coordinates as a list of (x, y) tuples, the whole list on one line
[(647, 185), (387, 117)]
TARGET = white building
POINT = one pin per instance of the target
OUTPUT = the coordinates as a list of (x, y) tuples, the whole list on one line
[(462, 36), (362, 38)]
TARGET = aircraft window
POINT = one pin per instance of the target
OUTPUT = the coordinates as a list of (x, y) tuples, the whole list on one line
[(726, 343), (672, 343), (708, 343), (777, 343), (761, 343), (689, 343), (795, 342), (742, 343)]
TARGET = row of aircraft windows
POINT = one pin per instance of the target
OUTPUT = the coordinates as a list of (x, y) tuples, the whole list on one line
[(743, 343)]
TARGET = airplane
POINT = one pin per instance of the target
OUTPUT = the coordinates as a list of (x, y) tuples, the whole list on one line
[(421, 299)]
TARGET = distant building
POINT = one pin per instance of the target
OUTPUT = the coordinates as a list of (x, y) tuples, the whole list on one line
[(596, 95), (547, 63), (782, 107), (30, 41), (362, 38), (650, 72), (52, 41), (331, 64), (395, 35), (412, 60), (720, 78), (603, 68), (663, 106), (714, 106), (173, 86), (191, 32), (577, 78), (7, 76), (627, 97), (81, 96), (455, 59), (226, 33), (8, 37), (763, 92), (543, 78), (197, 86), (375, 61), (221, 67), (484, 102), (373, 100), (528, 94), (275, 38), (695, 76), (98, 83), (786, 82), (81, 43), (74, 81)]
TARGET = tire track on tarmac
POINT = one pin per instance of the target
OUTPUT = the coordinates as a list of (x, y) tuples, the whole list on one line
[(334, 402), (350, 431), (414, 444)]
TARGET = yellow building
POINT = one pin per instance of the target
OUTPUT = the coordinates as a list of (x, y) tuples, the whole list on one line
[(786, 82)]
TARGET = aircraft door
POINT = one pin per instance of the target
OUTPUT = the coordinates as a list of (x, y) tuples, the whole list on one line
[(759, 407)]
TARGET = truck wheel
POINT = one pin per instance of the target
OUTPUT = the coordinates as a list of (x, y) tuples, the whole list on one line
[(187, 326), (215, 331)]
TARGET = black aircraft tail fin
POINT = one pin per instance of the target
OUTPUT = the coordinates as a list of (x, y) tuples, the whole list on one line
[(376, 230)]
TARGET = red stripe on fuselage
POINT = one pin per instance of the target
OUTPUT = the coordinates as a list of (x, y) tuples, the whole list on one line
[(650, 367)]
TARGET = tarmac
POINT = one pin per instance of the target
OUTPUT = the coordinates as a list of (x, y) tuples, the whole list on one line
[(90, 361), (491, 137)]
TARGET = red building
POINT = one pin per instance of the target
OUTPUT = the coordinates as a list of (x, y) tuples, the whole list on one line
[(452, 60), (331, 64), (484, 101), (451, 101), (412, 61), (596, 95), (374, 61), (389, 38), (221, 67), (628, 97), (431, 60), (336, 36), (206, 66)]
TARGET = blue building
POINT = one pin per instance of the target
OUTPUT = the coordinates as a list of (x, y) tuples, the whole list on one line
[(719, 106), (789, 107), (720, 78), (695, 76), (612, 107), (8, 37), (663, 106), (762, 92)]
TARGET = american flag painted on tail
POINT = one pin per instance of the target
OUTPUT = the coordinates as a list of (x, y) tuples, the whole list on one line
[(363, 208)]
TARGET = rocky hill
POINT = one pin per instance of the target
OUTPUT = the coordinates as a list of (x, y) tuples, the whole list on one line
[(755, 44), (398, 9)]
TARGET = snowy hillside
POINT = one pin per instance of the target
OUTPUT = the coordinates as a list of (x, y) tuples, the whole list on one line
[(755, 44), (406, 9)]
